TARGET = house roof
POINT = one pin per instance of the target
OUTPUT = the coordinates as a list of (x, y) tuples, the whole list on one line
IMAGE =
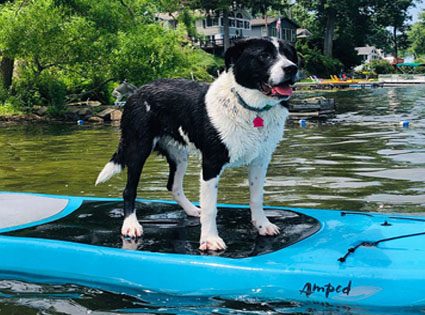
[(303, 33), (270, 20), (365, 50), (262, 21)]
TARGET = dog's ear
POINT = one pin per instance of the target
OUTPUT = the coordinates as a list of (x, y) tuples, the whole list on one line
[(233, 53), (294, 55)]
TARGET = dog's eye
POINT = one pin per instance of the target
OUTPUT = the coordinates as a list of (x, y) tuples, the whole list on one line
[(264, 56)]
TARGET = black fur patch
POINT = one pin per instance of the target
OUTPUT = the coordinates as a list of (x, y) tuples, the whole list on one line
[(253, 58), (175, 104)]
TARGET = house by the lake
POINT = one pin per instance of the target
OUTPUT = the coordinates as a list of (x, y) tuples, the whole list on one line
[(211, 28), (279, 27), (241, 25), (369, 53)]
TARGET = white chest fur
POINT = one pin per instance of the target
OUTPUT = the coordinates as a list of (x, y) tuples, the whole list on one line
[(235, 123)]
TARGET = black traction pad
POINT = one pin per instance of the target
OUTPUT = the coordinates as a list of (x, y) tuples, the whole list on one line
[(168, 229)]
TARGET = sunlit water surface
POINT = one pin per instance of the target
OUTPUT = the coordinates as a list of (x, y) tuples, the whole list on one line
[(361, 160)]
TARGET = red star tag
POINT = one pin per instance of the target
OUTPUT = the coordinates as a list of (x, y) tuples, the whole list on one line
[(258, 122)]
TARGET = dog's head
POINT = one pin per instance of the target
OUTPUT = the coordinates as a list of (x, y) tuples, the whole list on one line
[(265, 64)]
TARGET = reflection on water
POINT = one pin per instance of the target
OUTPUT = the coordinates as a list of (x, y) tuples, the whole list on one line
[(23, 298), (362, 160)]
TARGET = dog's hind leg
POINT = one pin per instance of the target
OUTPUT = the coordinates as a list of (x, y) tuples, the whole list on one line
[(177, 158), (136, 155)]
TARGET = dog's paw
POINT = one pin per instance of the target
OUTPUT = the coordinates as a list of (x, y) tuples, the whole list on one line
[(267, 229), (131, 227), (130, 243), (193, 211), (214, 243)]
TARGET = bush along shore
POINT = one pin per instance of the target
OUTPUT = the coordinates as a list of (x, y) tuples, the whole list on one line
[(90, 112)]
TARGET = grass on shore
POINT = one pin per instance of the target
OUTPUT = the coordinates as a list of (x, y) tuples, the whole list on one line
[(7, 110)]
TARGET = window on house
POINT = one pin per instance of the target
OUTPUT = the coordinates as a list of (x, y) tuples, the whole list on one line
[(288, 34), (282, 33), (239, 20), (246, 25), (232, 22), (209, 21)]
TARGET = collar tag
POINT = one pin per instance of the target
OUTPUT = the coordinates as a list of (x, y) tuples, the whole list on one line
[(258, 122)]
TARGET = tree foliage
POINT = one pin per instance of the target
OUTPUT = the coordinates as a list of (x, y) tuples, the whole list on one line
[(146, 50), (82, 46), (395, 14), (380, 67), (79, 48), (346, 23), (416, 37)]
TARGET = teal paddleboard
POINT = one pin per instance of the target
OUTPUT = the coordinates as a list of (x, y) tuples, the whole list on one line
[(337, 257)]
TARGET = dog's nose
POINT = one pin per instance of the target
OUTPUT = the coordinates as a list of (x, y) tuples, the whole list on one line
[(290, 70)]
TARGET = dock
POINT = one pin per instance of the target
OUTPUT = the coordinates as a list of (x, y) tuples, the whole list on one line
[(330, 85), (312, 108), (401, 79)]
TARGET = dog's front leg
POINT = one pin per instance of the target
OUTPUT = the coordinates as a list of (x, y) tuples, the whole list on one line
[(209, 234), (257, 174)]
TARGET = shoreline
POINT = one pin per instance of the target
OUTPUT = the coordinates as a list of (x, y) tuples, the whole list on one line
[(75, 114)]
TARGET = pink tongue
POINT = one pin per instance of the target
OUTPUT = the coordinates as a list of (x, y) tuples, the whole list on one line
[(285, 91)]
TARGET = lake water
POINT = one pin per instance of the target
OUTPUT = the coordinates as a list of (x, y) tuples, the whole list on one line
[(361, 160)]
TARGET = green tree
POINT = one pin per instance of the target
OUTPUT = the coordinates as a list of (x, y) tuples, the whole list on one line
[(394, 14), (380, 37), (156, 52), (48, 39), (380, 67), (6, 71), (416, 37), (6, 66), (77, 47), (356, 21), (328, 12)]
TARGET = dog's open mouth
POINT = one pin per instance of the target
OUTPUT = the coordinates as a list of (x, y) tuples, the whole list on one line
[(283, 90)]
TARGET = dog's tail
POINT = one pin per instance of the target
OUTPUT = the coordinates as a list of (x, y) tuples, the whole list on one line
[(113, 167)]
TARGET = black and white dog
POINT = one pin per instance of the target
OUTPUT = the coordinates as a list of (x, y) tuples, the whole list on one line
[(237, 120)]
